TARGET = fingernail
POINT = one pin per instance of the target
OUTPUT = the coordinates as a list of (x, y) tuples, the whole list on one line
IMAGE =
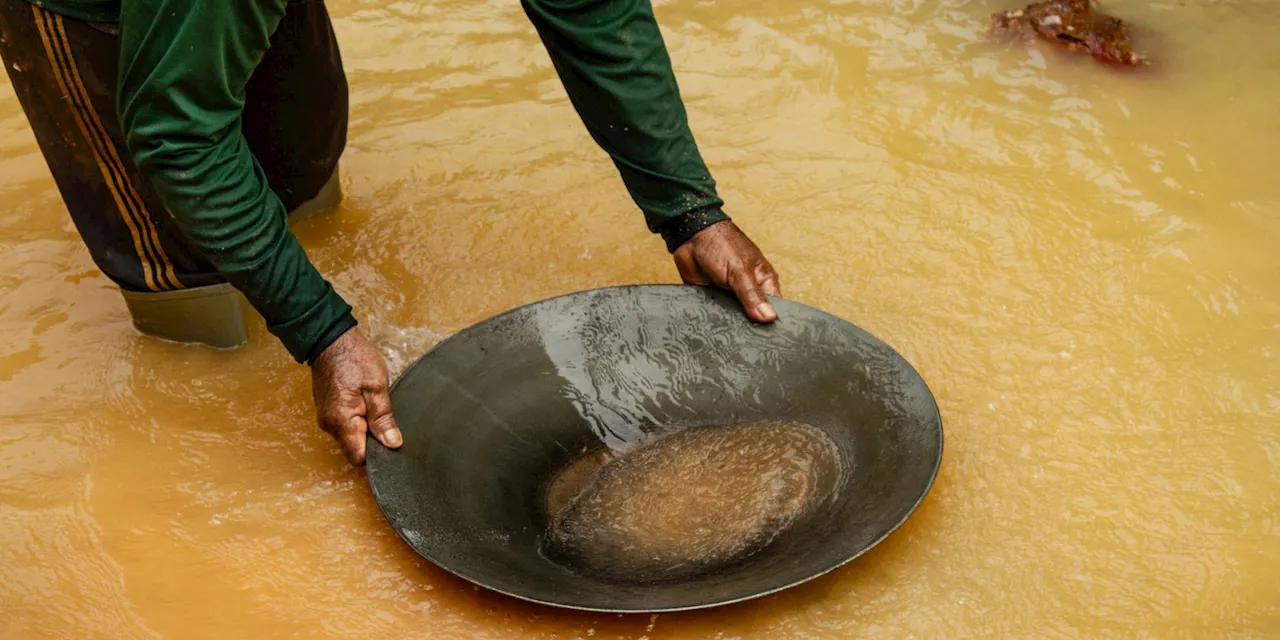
[(393, 438), (765, 310)]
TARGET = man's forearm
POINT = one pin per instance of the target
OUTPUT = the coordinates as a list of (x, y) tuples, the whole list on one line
[(614, 65), (184, 64)]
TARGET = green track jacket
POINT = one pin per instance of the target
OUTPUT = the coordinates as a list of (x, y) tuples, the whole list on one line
[(184, 65)]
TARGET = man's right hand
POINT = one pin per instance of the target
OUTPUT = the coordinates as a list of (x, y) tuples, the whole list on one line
[(349, 382), (723, 255)]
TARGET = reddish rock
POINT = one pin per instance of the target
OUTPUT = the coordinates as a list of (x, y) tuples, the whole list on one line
[(1072, 25)]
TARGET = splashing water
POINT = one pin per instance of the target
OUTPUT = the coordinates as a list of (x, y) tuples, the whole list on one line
[(400, 345)]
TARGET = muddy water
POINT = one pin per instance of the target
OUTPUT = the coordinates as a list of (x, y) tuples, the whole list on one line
[(1081, 263)]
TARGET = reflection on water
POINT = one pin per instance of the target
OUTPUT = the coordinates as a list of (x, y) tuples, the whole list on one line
[(1080, 263), (689, 503)]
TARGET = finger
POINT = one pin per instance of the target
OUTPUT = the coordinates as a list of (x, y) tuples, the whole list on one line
[(381, 423), (334, 420), (690, 272), (352, 440), (752, 298)]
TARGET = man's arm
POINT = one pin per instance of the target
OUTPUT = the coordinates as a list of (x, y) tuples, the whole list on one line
[(183, 70), (184, 65), (613, 63)]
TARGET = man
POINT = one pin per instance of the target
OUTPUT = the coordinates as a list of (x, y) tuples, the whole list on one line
[(184, 134)]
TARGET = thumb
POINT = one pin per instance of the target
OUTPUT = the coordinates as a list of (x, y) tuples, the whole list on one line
[(752, 298), (382, 424)]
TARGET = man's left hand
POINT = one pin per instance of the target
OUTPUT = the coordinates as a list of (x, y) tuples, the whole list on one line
[(349, 384), (723, 255)]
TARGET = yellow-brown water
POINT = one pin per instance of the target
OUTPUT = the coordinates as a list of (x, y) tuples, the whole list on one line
[(689, 503), (1082, 264)]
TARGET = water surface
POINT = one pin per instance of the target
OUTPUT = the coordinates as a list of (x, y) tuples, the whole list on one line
[(1081, 263)]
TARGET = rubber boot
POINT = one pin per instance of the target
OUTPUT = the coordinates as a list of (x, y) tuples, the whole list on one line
[(326, 200), (214, 315)]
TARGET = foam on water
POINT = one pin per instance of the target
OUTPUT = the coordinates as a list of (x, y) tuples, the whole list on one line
[(400, 345)]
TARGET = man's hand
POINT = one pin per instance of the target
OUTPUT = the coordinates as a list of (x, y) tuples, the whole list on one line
[(349, 384), (723, 255)]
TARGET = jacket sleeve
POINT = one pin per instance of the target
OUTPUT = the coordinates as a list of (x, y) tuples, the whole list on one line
[(614, 65), (184, 65)]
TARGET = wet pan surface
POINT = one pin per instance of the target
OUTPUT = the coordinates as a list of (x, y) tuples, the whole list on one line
[(495, 414)]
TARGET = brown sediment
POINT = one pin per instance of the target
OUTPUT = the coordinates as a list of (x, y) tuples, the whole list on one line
[(687, 503)]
